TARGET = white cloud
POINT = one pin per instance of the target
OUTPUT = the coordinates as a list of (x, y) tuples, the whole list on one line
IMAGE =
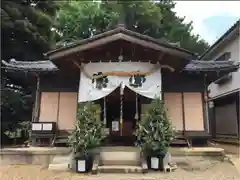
[(198, 11)]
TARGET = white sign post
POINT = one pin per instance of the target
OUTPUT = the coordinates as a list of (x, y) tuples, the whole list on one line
[(115, 126)]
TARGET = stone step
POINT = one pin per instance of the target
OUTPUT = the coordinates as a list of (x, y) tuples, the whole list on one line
[(179, 141), (120, 149), (60, 159), (120, 169), (120, 162), (59, 167), (60, 162), (120, 158)]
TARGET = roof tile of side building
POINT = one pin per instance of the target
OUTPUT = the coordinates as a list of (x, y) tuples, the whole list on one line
[(198, 65), (33, 66)]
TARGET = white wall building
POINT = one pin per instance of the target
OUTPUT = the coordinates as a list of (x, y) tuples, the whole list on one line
[(226, 48), (224, 94)]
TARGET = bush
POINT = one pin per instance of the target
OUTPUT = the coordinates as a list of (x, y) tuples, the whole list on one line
[(88, 133), (154, 132)]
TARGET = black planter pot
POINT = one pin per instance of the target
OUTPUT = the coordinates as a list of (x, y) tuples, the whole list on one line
[(155, 163), (84, 164)]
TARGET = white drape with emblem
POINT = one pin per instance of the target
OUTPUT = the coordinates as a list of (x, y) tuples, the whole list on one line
[(94, 89)]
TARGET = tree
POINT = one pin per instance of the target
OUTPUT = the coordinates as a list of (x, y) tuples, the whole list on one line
[(82, 19), (77, 20), (88, 133), (155, 132), (26, 28), (25, 35)]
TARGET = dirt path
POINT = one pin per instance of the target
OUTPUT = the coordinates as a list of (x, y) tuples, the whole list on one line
[(204, 171)]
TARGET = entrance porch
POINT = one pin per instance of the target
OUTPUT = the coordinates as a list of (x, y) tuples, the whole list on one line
[(121, 134)]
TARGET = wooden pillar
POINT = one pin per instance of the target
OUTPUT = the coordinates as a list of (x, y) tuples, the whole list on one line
[(183, 112), (37, 100), (205, 105)]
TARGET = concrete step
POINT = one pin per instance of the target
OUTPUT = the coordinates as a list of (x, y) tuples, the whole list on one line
[(60, 162), (60, 159), (131, 158), (120, 162), (58, 167), (120, 169), (120, 149)]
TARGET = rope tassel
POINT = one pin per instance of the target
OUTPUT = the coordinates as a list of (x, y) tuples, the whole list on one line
[(104, 112), (136, 114), (121, 107)]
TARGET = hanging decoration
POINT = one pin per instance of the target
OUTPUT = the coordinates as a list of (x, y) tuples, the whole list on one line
[(104, 112), (100, 83), (123, 73), (122, 86), (120, 73), (136, 114), (95, 88), (137, 80)]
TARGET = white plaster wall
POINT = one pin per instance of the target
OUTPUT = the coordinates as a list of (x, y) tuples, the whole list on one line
[(234, 84), (232, 46)]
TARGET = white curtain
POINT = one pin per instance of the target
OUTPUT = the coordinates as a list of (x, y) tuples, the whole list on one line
[(94, 89)]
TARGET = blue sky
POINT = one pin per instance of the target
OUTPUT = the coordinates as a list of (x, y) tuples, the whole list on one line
[(211, 19)]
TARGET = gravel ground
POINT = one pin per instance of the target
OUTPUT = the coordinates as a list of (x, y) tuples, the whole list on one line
[(189, 168)]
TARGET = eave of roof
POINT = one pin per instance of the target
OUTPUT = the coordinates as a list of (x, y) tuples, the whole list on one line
[(234, 29), (121, 30), (31, 66), (211, 66), (193, 66)]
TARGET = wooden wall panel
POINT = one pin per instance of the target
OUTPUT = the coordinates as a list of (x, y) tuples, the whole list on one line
[(173, 103), (49, 106), (193, 110), (67, 110)]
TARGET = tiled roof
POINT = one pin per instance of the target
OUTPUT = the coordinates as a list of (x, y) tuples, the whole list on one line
[(196, 65), (30, 65), (126, 32)]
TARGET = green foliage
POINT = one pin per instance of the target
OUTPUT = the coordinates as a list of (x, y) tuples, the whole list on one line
[(13, 134), (20, 130), (88, 133), (154, 132), (25, 35), (82, 19), (26, 28)]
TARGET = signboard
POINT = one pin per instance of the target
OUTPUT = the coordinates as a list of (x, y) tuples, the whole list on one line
[(154, 162), (36, 126), (115, 125), (47, 127), (81, 166)]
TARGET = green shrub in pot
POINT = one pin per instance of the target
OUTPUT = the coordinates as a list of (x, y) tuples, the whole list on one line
[(154, 134), (86, 137)]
